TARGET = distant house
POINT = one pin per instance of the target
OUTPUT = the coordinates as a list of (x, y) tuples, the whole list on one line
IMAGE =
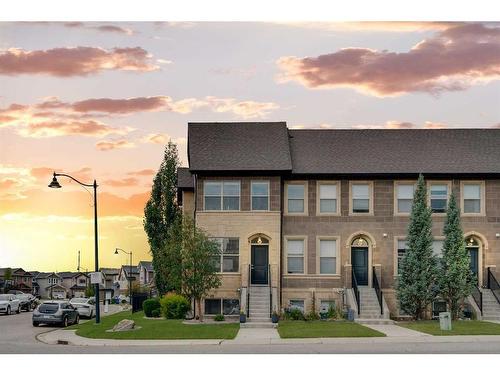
[(50, 286), (111, 285), (127, 273), (146, 273), (19, 280), (75, 282)]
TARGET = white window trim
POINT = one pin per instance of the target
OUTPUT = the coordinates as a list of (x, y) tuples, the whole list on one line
[(222, 257), (285, 254), (318, 198), (337, 258), (370, 190), (482, 184), (268, 195), (438, 182), (222, 195), (395, 254), (395, 192), (306, 195)]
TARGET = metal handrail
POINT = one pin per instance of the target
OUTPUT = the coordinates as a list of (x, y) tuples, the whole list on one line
[(270, 291), (378, 291), (478, 297), (356, 291), (248, 290), (493, 285)]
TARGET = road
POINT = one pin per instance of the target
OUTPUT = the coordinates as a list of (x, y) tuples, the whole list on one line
[(18, 336)]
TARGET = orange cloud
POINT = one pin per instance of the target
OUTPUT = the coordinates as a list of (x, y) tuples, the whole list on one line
[(88, 128), (454, 59), (142, 172), (74, 61), (122, 106), (111, 145), (155, 138), (124, 182), (245, 109)]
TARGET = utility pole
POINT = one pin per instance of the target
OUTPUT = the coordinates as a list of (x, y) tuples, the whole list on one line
[(78, 268)]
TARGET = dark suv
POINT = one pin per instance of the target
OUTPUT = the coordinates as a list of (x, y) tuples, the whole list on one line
[(55, 312)]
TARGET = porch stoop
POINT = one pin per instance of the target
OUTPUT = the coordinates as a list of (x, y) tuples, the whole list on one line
[(370, 308), (259, 316), (491, 307)]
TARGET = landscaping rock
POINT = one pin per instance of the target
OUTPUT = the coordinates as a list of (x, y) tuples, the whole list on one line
[(124, 325)]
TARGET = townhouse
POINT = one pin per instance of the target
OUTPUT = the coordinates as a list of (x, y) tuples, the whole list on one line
[(318, 218)]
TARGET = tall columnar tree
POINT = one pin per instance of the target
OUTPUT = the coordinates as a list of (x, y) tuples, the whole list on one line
[(417, 280), (160, 212), (455, 278), (7, 277)]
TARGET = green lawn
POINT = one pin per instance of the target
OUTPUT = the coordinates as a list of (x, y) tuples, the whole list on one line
[(299, 329), (459, 327), (155, 329)]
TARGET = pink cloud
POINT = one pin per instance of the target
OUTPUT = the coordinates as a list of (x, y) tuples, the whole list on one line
[(88, 128), (74, 61), (124, 182), (453, 59), (142, 172), (122, 106), (112, 145)]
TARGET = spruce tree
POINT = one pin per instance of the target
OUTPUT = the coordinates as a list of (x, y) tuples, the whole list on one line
[(160, 213), (455, 278), (416, 284)]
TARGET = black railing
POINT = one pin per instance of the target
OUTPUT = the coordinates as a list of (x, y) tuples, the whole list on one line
[(493, 285), (378, 291), (248, 290), (270, 291), (356, 291), (478, 297)]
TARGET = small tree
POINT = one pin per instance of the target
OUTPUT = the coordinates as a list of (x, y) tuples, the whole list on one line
[(416, 284), (160, 213), (7, 278), (199, 273), (89, 291), (455, 278)]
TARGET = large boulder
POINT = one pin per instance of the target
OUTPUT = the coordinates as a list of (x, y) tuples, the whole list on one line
[(124, 325)]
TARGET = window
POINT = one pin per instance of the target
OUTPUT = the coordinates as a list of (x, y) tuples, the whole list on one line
[(295, 256), (228, 259), (296, 304), (81, 281), (437, 248), (328, 256), (214, 306), (327, 198), (295, 195), (326, 305), (360, 198), (402, 246), (222, 195), (260, 196), (472, 198), (404, 193), (439, 197)]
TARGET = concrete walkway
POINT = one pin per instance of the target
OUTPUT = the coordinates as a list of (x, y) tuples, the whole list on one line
[(256, 335), (393, 330)]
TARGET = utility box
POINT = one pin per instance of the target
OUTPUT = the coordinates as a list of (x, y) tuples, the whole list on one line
[(445, 321)]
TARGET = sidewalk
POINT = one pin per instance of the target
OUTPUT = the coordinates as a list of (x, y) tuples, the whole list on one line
[(393, 330)]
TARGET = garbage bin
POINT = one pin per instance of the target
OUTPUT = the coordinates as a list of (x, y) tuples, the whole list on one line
[(445, 321), (350, 315)]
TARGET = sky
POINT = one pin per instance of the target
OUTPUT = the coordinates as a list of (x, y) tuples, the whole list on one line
[(101, 100)]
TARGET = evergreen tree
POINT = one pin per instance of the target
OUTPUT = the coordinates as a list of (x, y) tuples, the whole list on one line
[(455, 278), (160, 212), (416, 284)]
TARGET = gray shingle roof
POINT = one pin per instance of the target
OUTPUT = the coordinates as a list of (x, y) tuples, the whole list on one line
[(148, 265), (395, 151), (238, 146), (184, 178)]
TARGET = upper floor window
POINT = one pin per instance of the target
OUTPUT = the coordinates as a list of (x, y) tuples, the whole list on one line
[(260, 195), (404, 196), (328, 198), (328, 256), (360, 195), (439, 197), (295, 255), (222, 195), (296, 198), (228, 259), (472, 197)]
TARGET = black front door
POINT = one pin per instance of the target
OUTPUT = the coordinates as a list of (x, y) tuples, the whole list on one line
[(359, 260), (474, 259), (260, 261)]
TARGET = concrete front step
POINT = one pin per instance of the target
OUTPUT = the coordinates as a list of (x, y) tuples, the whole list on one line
[(252, 324), (374, 321)]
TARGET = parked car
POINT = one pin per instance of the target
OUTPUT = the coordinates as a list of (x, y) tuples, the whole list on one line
[(13, 291), (9, 303), (55, 312), (27, 301), (85, 306)]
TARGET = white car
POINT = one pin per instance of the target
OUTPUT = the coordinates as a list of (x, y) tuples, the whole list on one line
[(9, 303), (85, 306)]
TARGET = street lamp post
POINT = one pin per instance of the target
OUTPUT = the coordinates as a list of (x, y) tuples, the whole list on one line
[(55, 185), (129, 271)]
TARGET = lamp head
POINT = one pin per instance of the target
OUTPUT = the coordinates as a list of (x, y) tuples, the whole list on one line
[(116, 251), (55, 184)]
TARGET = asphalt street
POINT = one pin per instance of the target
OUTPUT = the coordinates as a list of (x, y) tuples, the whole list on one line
[(18, 336)]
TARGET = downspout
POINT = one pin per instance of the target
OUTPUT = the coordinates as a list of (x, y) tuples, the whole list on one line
[(281, 240), (195, 178)]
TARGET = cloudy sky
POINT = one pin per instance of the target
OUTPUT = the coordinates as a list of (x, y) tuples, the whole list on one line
[(100, 100)]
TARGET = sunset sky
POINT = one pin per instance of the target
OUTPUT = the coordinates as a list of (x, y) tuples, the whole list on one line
[(100, 100)]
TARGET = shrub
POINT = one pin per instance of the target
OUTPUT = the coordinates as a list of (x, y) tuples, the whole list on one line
[(156, 313), (149, 305), (174, 306), (219, 318), (294, 314), (313, 315), (332, 312)]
